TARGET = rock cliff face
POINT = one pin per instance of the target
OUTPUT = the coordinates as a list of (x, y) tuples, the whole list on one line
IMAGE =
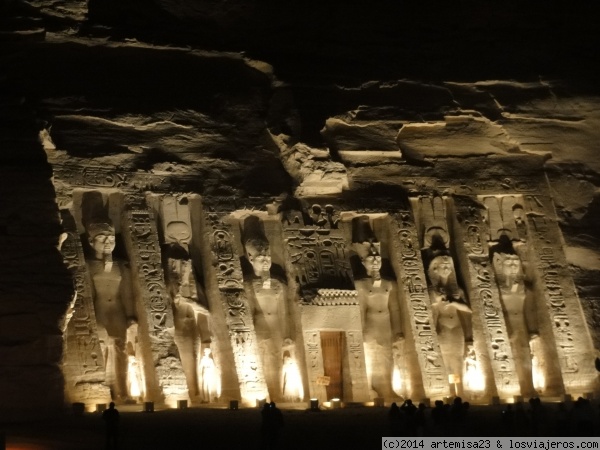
[(264, 98)]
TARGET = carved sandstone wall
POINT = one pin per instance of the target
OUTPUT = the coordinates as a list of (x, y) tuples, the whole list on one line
[(343, 103)]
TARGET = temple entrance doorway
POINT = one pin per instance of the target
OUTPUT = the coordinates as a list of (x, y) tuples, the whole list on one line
[(332, 344)]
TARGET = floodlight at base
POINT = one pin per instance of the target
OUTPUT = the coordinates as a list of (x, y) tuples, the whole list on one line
[(314, 404), (234, 405), (336, 403), (518, 398), (182, 404), (379, 402), (148, 406), (100, 407), (261, 402), (567, 398)]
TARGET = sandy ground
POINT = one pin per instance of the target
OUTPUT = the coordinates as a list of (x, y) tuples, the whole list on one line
[(213, 428)]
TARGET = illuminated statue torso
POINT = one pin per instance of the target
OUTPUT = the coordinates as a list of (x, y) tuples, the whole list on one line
[(108, 287), (187, 312), (509, 275), (113, 305), (380, 319), (268, 300), (267, 313), (447, 300)]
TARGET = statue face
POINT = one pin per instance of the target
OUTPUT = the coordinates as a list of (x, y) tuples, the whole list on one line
[(259, 258), (372, 263), (511, 264), (103, 244), (442, 266)]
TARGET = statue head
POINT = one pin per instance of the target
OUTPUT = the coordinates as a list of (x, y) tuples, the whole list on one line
[(505, 260), (370, 257), (364, 243), (259, 255), (180, 275), (441, 267), (101, 238), (507, 264)]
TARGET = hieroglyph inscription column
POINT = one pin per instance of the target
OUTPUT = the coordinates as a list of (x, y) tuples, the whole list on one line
[(573, 341), (83, 362), (156, 315), (314, 360), (412, 281), (471, 231), (238, 314)]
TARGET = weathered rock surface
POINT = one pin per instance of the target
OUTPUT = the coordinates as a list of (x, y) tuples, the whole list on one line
[(344, 97)]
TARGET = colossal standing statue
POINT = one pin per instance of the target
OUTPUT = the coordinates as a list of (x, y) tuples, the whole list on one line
[(451, 312), (380, 310), (448, 302), (187, 312), (115, 311), (269, 304), (521, 326)]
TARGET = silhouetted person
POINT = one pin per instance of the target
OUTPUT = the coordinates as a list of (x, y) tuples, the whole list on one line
[(420, 420), (521, 421), (111, 418), (538, 417), (439, 416), (395, 416), (272, 422), (508, 420), (562, 421), (583, 416), (409, 411)]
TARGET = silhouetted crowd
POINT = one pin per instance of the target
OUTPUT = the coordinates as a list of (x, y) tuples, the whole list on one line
[(536, 419)]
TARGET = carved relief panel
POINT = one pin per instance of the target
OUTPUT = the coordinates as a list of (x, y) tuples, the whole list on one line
[(414, 293), (317, 249), (83, 362), (573, 345), (190, 316), (235, 305), (494, 359)]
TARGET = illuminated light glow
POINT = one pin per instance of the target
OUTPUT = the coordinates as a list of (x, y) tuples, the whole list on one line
[(171, 402), (539, 380), (397, 381), (369, 364), (474, 380), (134, 378), (291, 380), (209, 377)]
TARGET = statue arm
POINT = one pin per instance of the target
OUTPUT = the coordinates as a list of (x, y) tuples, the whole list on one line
[(435, 312), (460, 306), (529, 312), (284, 313), (362, 302), (394, 307), (127, 294)]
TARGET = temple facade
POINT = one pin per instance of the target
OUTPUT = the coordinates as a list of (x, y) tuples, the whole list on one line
[(429, 289)]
